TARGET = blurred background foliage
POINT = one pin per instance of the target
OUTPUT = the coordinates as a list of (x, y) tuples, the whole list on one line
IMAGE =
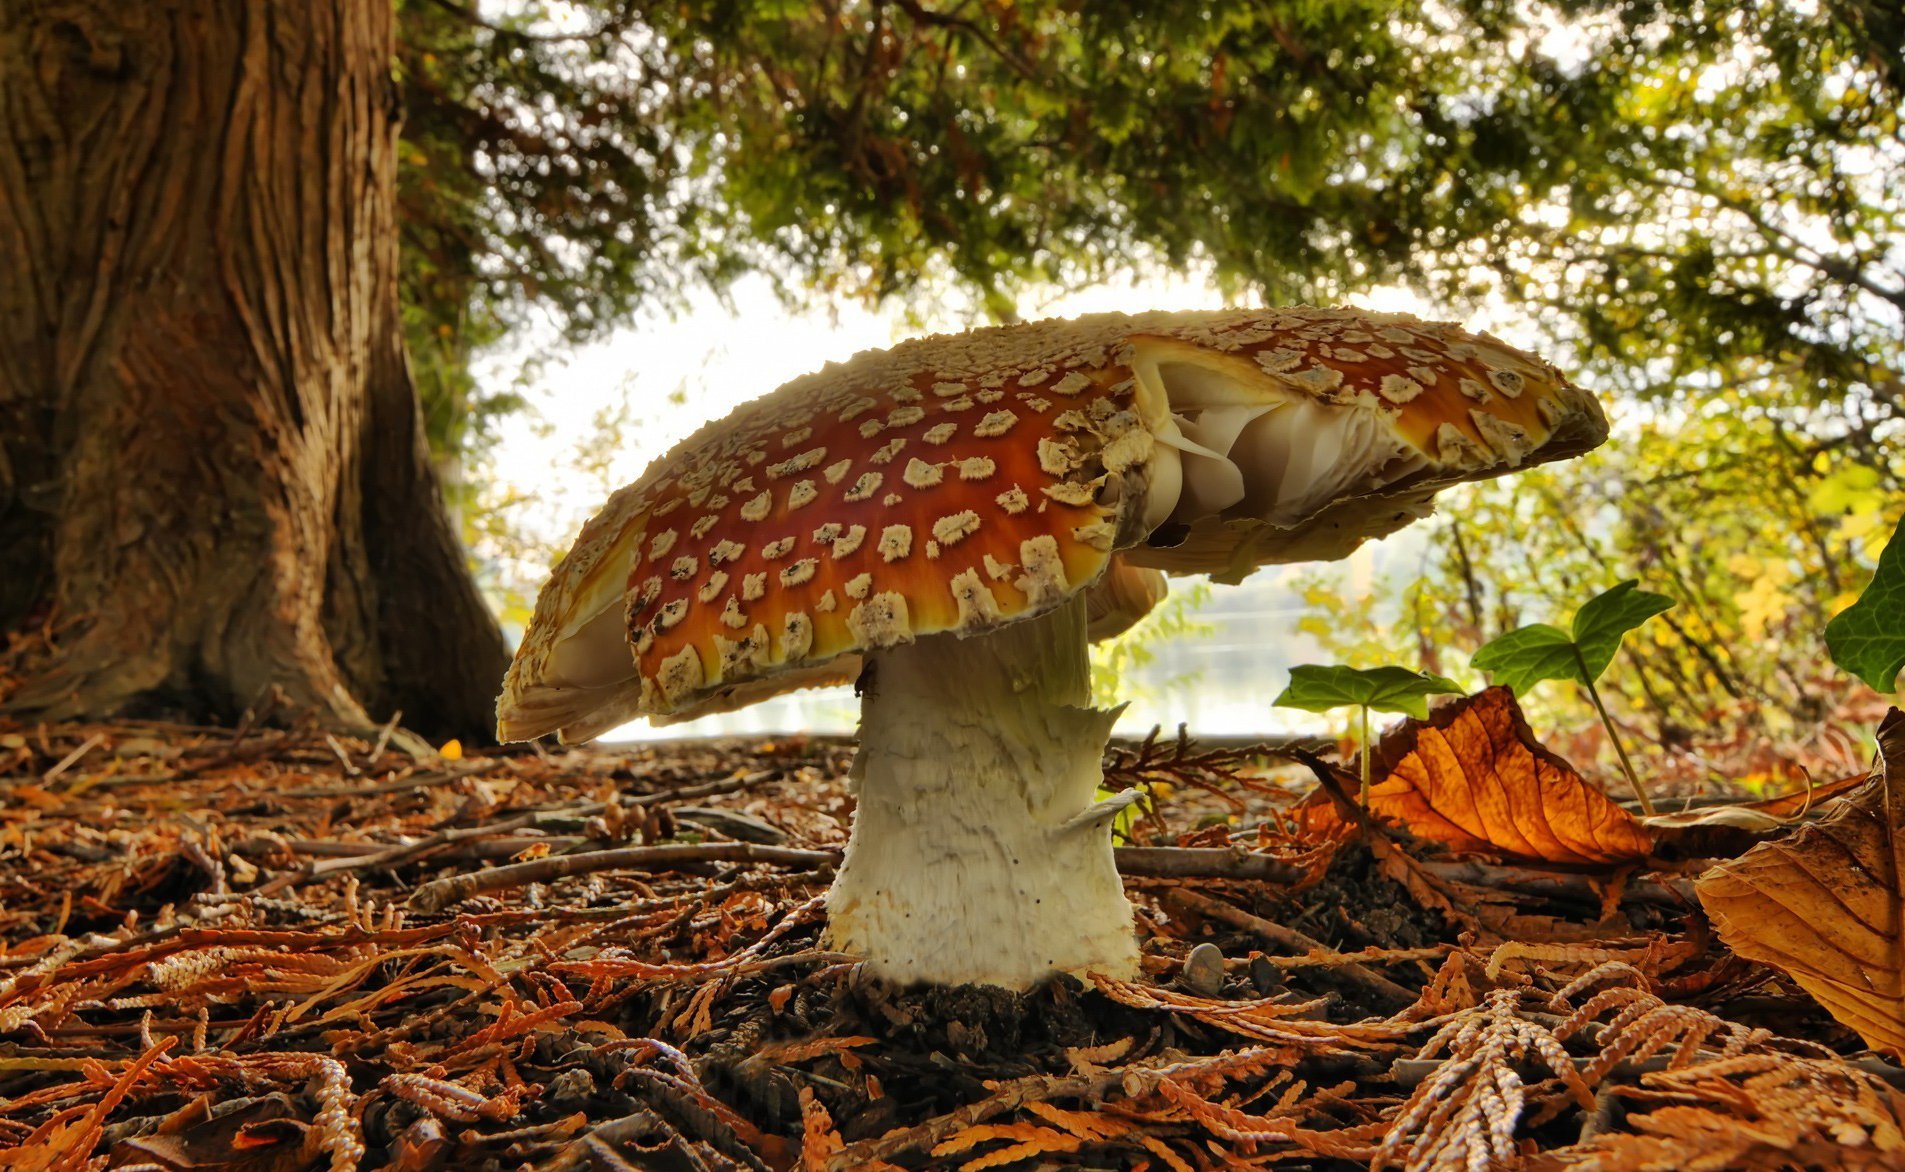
[(1694, 206)]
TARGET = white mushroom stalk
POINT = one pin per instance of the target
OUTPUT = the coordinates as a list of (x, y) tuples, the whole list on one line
[(959, 515), (978, 854)]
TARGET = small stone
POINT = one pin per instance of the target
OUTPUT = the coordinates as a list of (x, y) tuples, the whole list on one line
[(1203, 971)]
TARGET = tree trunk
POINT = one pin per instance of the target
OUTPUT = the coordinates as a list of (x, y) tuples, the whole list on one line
[(212, 472)]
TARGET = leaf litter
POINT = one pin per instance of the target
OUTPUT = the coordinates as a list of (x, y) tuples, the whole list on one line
[(286, 949)]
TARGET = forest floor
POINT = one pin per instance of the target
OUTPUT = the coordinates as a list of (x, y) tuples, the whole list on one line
[(272, 948)]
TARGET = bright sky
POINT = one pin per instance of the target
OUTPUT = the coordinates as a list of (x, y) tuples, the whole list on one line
[(670, 376)]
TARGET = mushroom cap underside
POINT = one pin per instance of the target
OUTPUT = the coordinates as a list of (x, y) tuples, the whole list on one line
[(957, 483)]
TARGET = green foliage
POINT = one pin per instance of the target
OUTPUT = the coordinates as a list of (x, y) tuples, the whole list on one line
[(1603, 163), (1693, 206), (1761, 515), (1868, 637), (1315, 688), (1115, 661), (1527, 655)]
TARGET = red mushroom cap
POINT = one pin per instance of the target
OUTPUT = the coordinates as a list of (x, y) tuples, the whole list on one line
[(959, 483)]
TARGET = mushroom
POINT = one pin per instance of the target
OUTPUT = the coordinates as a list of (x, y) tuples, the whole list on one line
[(932, 520)]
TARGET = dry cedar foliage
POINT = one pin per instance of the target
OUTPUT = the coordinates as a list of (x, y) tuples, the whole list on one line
[(207, 961), (1757, 1111), (1826, 905), (1475, 779)]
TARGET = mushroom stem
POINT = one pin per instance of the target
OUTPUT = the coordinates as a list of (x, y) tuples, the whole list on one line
[(976, 854)]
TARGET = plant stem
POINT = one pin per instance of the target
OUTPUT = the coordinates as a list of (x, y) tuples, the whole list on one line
[(1627, 767), (1363, 757)]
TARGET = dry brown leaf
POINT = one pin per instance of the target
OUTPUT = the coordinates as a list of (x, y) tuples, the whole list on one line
[(1825, 905), (1474, 778), (1724, 832), (1767, 814), (1281, 1124), (1280, 1023), (266, 1136)]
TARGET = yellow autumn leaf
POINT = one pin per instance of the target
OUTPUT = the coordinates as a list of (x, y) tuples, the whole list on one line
[(1765, 600), (452, 750)]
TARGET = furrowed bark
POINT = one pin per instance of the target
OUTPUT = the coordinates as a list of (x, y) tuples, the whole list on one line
[(209, 468)]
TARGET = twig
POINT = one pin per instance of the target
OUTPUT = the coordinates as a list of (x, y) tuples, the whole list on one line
[(1166, 862), (1331, 959), (438, 894), (418, 781), (344, 758), (1665, 891), (391, 856), (383, 739), (1412, 1072), (73, 758), (1176, 862)]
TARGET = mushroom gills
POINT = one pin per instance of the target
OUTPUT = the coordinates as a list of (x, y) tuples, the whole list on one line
[(592, 648), (596, 653), (1225, 451)]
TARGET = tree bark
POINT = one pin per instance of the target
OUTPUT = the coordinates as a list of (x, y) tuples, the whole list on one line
[(213, 480)]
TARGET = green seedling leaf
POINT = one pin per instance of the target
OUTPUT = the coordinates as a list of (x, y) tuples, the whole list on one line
[(1315, 688), (1868, 637), (1528, 655), (1606, 618)]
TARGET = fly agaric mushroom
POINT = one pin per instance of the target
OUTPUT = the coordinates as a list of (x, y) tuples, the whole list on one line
[(934, 515)]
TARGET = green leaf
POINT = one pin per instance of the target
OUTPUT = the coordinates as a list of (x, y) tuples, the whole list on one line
[(1528, 655), (1868, 637), (1315, 688), (1602, 621)]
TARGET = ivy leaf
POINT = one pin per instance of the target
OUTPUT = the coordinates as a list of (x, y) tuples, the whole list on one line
[(1868, 637), (1315, 688), (1528, 655)]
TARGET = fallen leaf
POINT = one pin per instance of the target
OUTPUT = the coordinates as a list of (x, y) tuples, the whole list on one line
[(1027, 1140), (1824, 906), (1805, 801), (1474, 778), (266, 1135), (1767, 814), (1464, 1112), (1724, 832), (1752, 1111)]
